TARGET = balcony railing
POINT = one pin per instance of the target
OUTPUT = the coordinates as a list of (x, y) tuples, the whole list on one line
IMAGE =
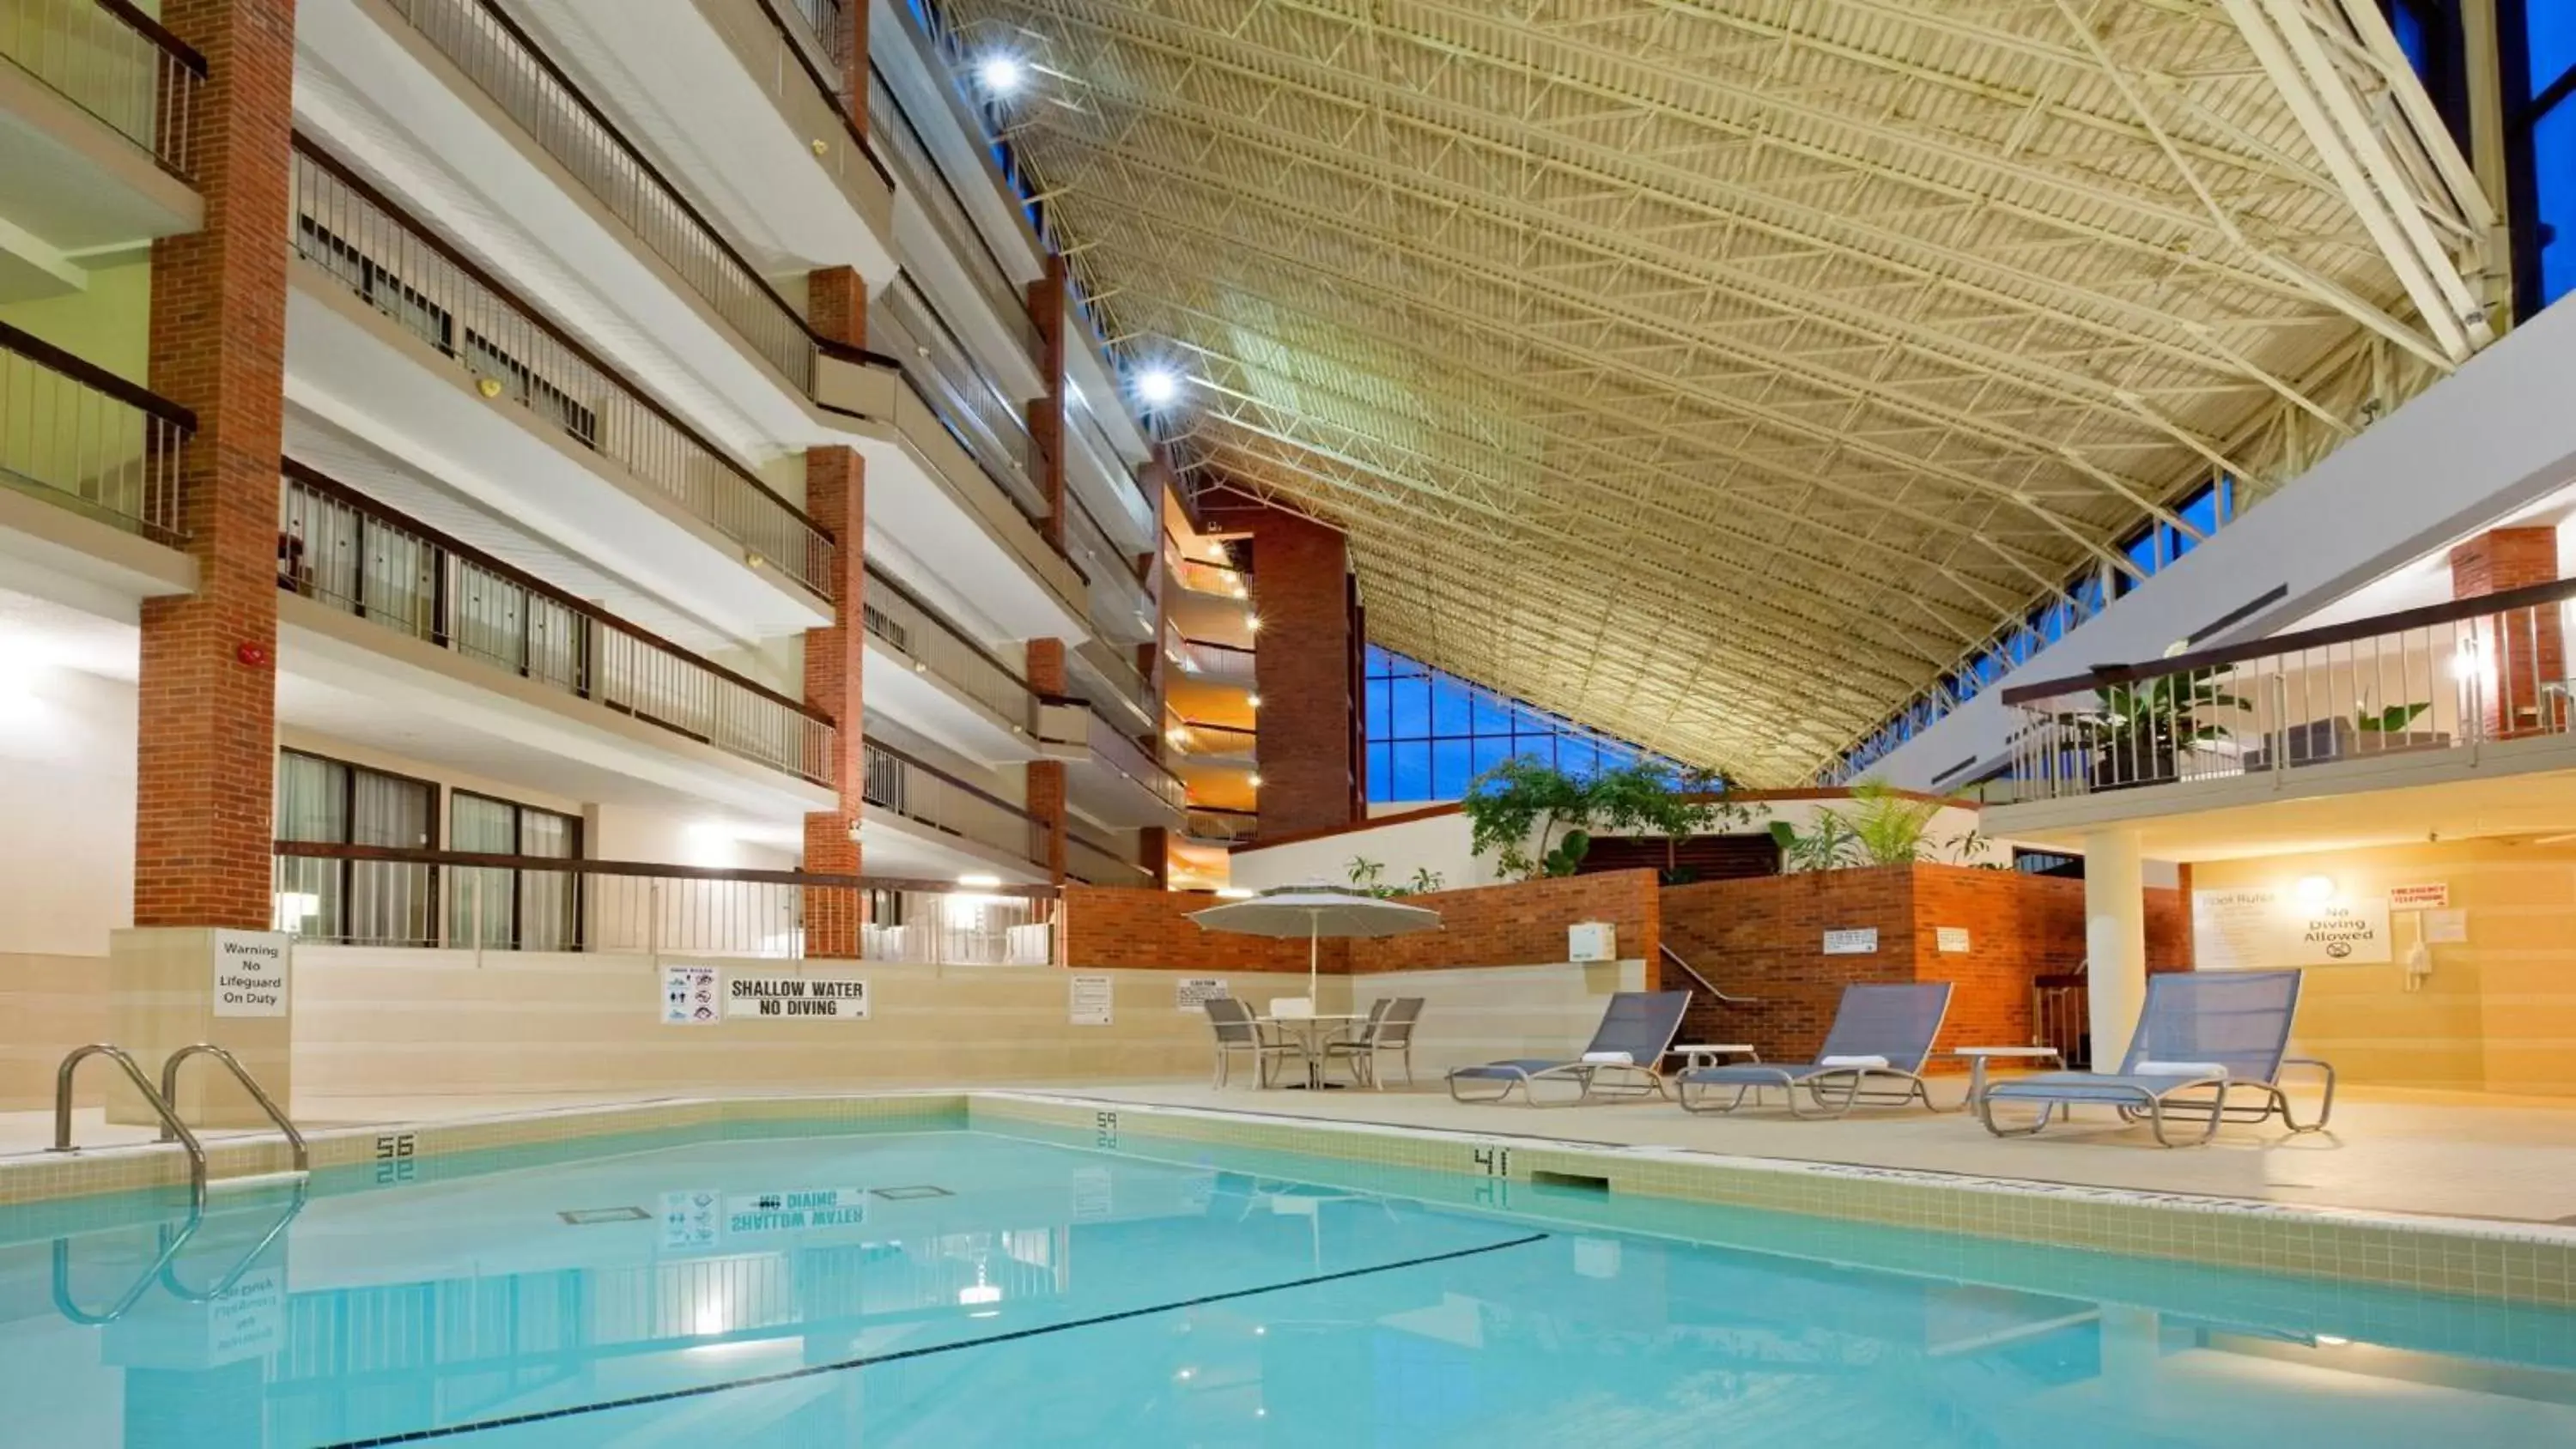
[(927, 795), (2450, 677), (1228, 827), (341, 225), (1208, 578), (116, 63), (939, 648), (1094, 862), (903, 325), (337, 546), (509, 67), (920, 178), (1214, 663), (73, 431), (1213, 742), (1116, 591), (359, 895)]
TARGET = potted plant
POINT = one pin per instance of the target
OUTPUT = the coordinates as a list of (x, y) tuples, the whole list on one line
[(2137, 732)]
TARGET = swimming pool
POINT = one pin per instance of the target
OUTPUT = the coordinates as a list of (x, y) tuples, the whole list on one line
[(964, 1287)]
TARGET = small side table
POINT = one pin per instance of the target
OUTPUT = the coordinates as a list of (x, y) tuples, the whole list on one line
[(1978, 1055), (1705, 1054)]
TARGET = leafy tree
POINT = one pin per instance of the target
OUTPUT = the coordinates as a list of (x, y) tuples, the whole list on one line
[(1516, 808), (1879, 827)]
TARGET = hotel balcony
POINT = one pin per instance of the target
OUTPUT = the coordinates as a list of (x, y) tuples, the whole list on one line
[(930, 675), (1094, 861), (401, 637), (89, 482), (921, 821), (452, 107), (97, 140), (766, 138), (951, 484), (422, 377), (2455, 719), (1208, 662), (946, 256), (1108, 775)]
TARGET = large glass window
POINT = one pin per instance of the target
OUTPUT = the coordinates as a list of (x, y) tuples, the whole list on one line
[(513, 908), (1430, 732), (329, 802), (2539, 43)]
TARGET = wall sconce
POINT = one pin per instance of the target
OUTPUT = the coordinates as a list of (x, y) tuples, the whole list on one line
[(2315, 890)]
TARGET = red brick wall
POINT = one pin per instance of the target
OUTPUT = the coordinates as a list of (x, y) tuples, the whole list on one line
[(1763, 937), (1111, 926), (836, 497), (1302, 662), (1044, 792), (1504, 925), (207, 686), (1523, 924)]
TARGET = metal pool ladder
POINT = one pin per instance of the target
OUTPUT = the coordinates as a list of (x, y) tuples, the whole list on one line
[(161, 1100)]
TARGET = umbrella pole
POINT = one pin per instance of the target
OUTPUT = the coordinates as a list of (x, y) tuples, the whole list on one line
[(1314, 932)]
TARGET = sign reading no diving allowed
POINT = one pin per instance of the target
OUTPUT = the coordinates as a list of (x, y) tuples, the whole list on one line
[(789, 998)]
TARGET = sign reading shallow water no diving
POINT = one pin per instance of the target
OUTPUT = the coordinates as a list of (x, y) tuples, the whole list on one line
[(796, 998)]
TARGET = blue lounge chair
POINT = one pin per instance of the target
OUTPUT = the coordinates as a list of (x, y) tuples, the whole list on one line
[(1880, 1033), (2202, 1036), (1636, 1031)]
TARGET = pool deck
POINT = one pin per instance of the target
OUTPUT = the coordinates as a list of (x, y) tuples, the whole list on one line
[(2388, 1151)]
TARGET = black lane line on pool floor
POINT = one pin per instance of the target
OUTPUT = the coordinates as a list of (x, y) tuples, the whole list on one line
[(699, 1391)]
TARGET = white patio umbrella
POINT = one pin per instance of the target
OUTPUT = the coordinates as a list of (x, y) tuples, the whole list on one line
[(1314, 912)]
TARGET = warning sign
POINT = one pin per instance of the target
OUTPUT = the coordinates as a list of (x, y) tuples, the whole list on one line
[(796, 998)]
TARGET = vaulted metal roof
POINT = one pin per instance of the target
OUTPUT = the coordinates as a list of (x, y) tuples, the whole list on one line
[(1717, 372)]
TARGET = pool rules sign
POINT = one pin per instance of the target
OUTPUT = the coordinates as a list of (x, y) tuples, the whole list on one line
[(250, 973)]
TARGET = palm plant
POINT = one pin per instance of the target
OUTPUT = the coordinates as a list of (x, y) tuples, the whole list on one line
[(2138, 731), (1880, 827)]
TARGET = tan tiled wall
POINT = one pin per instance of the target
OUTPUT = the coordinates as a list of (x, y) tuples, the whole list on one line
[(376, 1023), (1495, 1013), (2498, 1012), (48, 1005)]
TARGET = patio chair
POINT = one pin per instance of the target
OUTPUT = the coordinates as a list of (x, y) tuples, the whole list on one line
[(1636, 1030), (1389, 1030), (1236, 1031), (2202, 1036), (1880, 1033)]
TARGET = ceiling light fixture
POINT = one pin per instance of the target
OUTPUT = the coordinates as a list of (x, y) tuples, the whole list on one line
[(979, 882), (1157, 386), (1001, 74)]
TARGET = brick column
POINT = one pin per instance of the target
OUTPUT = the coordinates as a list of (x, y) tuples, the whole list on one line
[(836, 497), (206, 686), (850, 48), (1046, 413), (1302, 663), (207, 690), (1046, 786), (2523, 649)]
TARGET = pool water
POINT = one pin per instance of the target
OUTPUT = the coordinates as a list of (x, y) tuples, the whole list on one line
[(960, 1288)]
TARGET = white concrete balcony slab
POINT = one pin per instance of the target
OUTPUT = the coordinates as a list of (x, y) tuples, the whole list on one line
[(97, 117), (404, 347), (1107, 775)]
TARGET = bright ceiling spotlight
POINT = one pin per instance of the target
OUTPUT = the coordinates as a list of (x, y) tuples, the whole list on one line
[(1156, 386), (1001, 74)]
